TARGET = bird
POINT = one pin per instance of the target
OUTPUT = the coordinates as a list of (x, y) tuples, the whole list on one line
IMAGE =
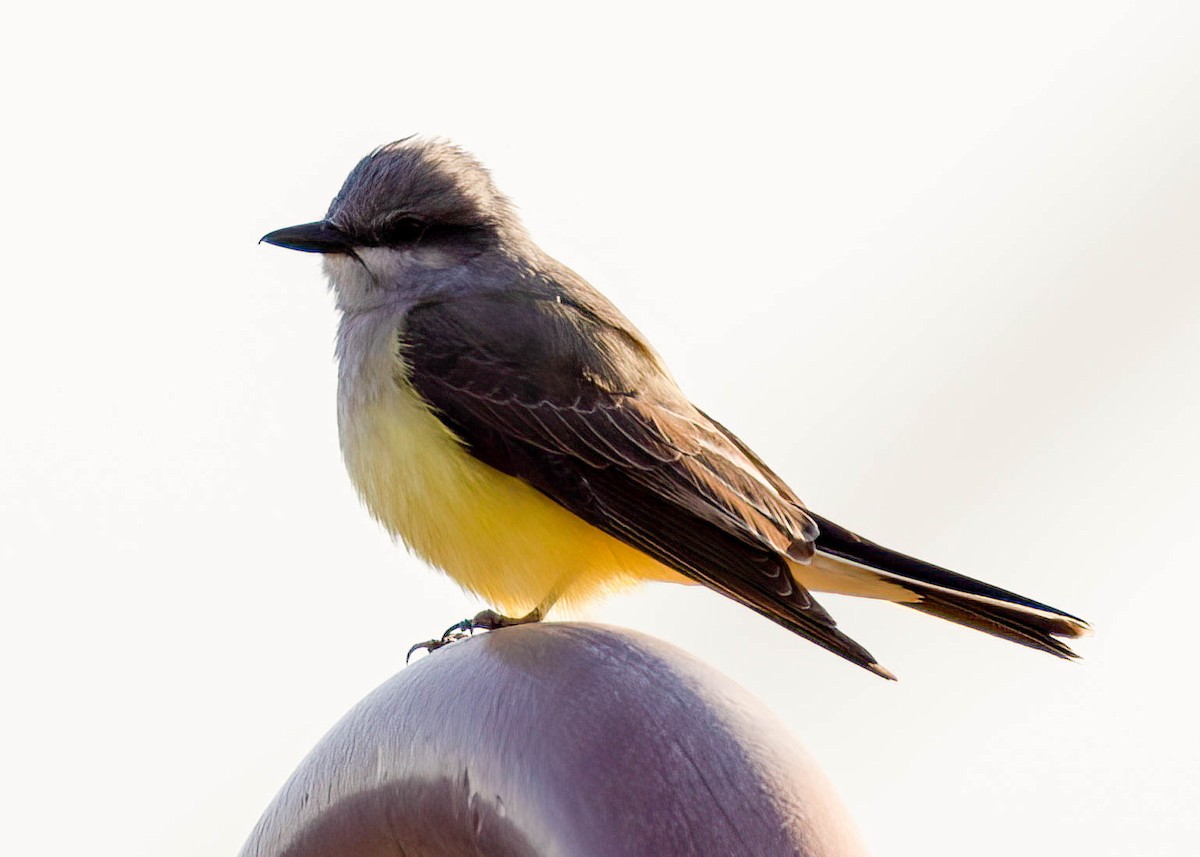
[(507, 423)]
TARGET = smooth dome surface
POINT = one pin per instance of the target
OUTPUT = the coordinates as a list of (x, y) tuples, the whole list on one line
[(557, 739)]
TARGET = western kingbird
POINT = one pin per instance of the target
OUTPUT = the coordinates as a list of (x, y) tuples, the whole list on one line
[(514, 429)]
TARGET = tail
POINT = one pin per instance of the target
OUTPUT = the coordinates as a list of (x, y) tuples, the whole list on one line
[(869, 569)]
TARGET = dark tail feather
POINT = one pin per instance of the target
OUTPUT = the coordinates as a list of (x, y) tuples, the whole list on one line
[(1009, 624), (956, 597)]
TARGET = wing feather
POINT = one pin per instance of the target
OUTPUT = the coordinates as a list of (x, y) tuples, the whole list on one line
[(579, 408)]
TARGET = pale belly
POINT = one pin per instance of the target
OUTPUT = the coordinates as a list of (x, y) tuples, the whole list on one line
[(493, 534)]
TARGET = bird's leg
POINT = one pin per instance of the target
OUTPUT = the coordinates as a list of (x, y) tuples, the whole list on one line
[(490, 620), (485, 620)]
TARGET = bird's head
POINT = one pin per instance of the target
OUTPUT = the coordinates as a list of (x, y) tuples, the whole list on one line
[(409, 208)]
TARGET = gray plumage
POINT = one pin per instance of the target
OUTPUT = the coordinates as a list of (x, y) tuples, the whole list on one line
[(537, 376)]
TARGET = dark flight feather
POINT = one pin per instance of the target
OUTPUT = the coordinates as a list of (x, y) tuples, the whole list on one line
[(959, 598), (943, 593), (571, 400)]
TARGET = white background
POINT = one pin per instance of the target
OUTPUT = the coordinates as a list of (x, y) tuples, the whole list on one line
[(937, 263)]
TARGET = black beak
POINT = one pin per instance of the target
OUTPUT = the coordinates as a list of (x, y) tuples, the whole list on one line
[(319, 237)]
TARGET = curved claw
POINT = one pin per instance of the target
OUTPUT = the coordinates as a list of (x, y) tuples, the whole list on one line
[(457, 631), (465, 628), (428, 645)]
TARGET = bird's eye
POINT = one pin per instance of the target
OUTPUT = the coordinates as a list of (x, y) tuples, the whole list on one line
[(402, 230)]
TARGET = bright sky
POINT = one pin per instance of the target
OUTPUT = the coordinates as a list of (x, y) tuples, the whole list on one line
[(937, 264)]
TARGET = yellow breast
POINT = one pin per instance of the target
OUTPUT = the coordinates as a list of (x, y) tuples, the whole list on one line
[(493, 534)]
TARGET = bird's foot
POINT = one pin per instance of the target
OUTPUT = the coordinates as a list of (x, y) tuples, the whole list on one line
[(434, 645), (484, 620), (490, 620)]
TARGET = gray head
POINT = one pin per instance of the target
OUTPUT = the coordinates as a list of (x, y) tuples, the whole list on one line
[(407, 209), (417, 179)]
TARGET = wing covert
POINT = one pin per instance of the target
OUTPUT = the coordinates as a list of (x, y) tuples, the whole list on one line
[(551, 392)]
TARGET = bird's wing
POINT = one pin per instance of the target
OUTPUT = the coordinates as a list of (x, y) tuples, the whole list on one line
[(566, 396)]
